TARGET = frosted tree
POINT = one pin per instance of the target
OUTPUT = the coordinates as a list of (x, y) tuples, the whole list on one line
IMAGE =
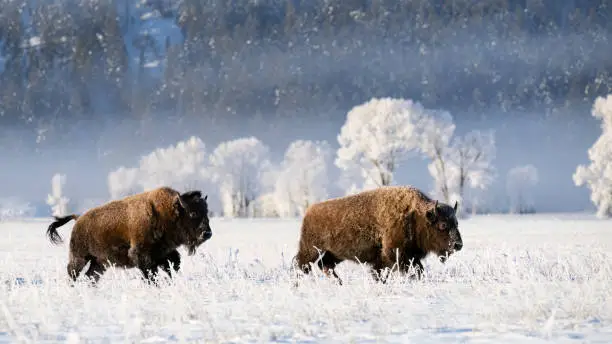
[(123, 182), (520, 182), (354, 180), (597, 176), (56, 200), (472, 156), (303, 177), (377, 136), (182, 166), (458, 163), (238, 167), (435, 133), (266, 206)]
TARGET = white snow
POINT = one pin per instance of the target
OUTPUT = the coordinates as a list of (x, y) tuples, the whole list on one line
[(519, 279)]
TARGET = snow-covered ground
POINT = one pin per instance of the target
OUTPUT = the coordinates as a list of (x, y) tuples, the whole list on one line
[(519, 279)]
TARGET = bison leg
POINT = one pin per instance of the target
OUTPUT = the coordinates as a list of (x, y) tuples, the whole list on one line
[(95, 270), (378, 273), (381, 269), (389, 258), (415, 265), (304, 257), (170, 262), (388, 261), (381, 273), (75, 265), (174, 259), (140, 257), (326, 261), (149, 274)]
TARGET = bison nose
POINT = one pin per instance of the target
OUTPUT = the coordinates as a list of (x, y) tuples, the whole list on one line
[(458, 246)]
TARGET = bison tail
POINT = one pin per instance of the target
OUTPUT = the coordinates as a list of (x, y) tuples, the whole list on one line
[(59, 221)]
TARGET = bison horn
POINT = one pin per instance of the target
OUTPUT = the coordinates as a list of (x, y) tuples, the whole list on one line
[(455, 207)]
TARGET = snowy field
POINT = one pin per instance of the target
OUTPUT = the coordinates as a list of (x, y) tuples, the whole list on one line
[(530, 279)]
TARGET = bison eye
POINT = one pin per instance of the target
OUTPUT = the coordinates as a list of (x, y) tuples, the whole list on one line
[(443, 226), (193, 214)]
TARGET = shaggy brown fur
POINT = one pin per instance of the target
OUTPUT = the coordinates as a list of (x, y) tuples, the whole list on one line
[(142, 231), (370, 227)]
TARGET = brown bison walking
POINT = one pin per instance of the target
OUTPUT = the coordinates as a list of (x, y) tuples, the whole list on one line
[(372, 226), (142, 231)]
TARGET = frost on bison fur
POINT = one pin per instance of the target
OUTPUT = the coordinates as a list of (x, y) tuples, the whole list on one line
[(371, 226), (142, 231)]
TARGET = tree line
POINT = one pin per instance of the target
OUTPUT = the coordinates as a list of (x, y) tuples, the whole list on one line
[(63, 62), (377, 137)]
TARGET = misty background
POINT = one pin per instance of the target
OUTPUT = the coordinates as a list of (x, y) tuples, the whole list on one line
[(89, 85)]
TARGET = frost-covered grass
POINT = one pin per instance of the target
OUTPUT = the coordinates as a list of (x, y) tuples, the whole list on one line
[(518, 279)]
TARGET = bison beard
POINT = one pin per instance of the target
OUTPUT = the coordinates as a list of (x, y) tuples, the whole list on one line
[(142, 231), (380, 227)]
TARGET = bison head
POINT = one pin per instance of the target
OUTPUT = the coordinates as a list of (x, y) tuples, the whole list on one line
[(193, 218), (444, 235)]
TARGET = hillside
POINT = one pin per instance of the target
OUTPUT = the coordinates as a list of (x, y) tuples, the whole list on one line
[(149, 57)]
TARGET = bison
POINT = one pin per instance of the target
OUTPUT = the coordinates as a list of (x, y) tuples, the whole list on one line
[(381, 227), (142, 231)]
